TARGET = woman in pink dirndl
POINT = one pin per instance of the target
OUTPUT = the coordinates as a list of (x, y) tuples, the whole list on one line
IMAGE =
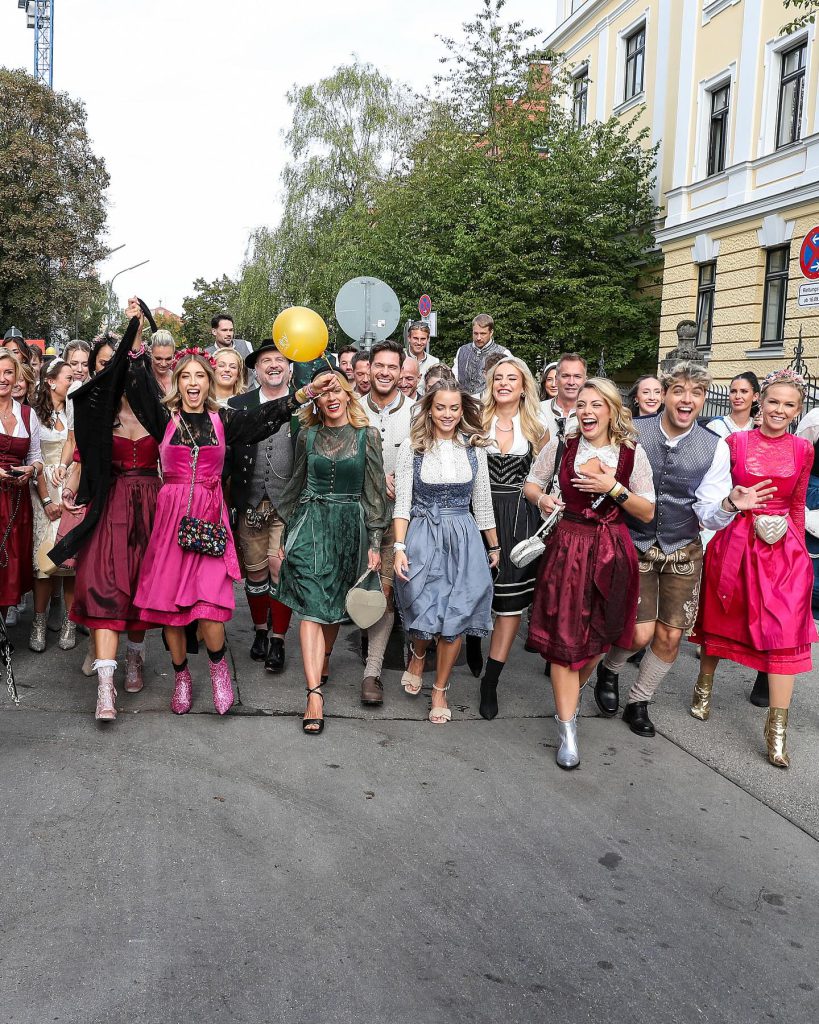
[(755, 607), (178, 586)]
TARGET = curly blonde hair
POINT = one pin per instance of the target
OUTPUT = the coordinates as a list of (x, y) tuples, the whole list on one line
[(621, 425), (173, 399), (309, 414), (469, 430), (531, 424)]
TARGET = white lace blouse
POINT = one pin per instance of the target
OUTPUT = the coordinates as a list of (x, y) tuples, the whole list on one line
[(640, 483), (447, 463)]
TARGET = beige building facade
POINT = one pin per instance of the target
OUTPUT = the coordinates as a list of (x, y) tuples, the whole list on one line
[(733, 105)]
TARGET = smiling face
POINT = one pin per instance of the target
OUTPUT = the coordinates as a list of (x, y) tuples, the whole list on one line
[(570, 376), (332, 405), (507, 385), (36, 361), (550, 383), (361, 373), (193, 384), (78, 361), (446, 410), (14, 348), (594, 416), (417, 342), (162, 359), (684, 400), (649, 396), (742, 396), (8, 377), (61, 383), (410, 375), (273, 371), (780, 405), (385, 369), (345, 364), (228, 368)]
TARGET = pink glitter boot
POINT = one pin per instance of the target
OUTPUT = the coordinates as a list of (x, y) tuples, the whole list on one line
[(222, 686), (134, 663), (106, 694), (182, 692)]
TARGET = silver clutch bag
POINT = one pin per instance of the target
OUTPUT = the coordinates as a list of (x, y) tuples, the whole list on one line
[(365, 606), (770, 528), (528, 550)]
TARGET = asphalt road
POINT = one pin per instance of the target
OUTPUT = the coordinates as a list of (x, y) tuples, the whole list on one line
[(199, 869)]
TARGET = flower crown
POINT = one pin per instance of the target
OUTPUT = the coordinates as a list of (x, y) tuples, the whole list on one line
[(786, 376), (193, 351)]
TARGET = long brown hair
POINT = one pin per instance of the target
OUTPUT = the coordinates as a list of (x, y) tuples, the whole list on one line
[(43, 404), (469, 430)]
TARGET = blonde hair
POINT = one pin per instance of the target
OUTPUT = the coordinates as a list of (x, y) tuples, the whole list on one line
[(163, 339), (240, 384), (531, 424), (621, 425), (173, 399), (356, 417), (6, 353), (469, 430), (687, 370)]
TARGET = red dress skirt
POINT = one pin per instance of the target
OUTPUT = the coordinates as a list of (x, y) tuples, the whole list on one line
[(108, 566), (588, 582), (16, 551)]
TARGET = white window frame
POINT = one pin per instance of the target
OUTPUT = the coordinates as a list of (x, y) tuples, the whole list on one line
[(642, 19), (774, 50), (583, 70), (728, 76)]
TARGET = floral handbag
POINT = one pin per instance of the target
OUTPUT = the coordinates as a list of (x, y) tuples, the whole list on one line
[(199, 535)]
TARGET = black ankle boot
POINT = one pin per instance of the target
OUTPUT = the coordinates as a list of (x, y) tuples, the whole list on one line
[(607, 691), (474, 655), (274, 662), (759, 695), (258, 652), (636, 718), (489, 689)]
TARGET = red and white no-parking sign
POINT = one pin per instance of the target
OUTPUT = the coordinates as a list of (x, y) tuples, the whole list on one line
[(809, 255)]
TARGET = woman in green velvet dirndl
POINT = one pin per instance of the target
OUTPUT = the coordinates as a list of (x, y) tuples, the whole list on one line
[(334, 510)]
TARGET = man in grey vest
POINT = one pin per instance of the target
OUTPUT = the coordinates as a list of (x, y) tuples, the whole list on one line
[(692, 480), (258, 475), (470, 359)]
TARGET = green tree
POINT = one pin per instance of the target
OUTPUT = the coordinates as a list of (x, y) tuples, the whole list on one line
[(52, 207), (808, 10), (208, 299)]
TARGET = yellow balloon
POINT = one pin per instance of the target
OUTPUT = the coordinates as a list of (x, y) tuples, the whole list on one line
[(300, 334)]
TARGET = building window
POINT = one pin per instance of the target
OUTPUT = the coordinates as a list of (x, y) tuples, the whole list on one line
[(776, 295), (791, 96), (706, 287), (635, 62), (718, 129), (580, 98)]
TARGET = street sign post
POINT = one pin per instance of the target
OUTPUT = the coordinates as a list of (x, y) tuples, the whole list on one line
[(809, 255), (425, 305)]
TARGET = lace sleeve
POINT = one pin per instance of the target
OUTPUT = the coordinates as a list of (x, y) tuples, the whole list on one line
[(403, 480), (482, 495), (288, 503), (374, 494), (801, 489), (542, 471), (250, 426), (641, 481)]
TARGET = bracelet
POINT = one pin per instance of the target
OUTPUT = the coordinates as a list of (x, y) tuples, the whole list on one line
[(734, 508), (46, 501), (494, 547), (398, 546), (140, 352), (617, 489)]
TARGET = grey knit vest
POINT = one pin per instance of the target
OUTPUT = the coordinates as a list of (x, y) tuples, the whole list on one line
[(678, 472)]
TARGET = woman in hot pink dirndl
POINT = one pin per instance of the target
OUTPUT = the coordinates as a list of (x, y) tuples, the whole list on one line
[(755, 606), (178, 586)]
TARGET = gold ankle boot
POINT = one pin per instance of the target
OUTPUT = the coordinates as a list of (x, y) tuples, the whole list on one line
[(701, 701), (776, 728)]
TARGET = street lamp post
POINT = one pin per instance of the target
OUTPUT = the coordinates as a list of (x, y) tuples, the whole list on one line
[(111, 288)]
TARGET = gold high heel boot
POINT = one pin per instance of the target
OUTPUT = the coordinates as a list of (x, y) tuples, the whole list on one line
[(701, 701), (776, 729)]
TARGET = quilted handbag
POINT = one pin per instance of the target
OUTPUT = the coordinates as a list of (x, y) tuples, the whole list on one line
[(199, 535)]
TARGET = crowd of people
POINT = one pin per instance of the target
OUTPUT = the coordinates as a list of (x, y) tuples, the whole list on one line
[(140, 482)]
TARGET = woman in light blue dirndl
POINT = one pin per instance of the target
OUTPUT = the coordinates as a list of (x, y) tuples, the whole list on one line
[(443, 502)]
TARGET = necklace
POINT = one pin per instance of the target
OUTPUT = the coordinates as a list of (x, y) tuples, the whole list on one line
[(504, 430)]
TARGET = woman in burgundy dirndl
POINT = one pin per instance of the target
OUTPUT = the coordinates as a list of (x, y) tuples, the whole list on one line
[(20, 461), (587, 586)]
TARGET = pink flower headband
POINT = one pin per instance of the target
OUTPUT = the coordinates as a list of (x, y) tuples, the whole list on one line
[(786, 376), (194, 351)]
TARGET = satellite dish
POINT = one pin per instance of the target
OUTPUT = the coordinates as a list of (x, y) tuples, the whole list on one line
[(367, 310)]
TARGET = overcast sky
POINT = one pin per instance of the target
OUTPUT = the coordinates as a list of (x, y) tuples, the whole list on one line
[(186, 102)]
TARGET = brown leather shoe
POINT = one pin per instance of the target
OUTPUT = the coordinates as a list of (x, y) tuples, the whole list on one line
[(372, 691)]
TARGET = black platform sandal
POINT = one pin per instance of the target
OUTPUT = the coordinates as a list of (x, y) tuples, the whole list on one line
[(305, 722)]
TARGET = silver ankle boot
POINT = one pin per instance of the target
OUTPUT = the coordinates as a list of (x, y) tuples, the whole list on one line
[(68, 635), (37, 640), (568, 755)]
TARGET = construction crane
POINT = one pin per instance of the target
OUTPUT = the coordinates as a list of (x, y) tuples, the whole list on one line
[(40, 18)]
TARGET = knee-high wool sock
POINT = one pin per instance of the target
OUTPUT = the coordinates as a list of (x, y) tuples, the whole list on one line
[(616, 658), (651, 674), (258, 604), (280, 616), (378, 636)]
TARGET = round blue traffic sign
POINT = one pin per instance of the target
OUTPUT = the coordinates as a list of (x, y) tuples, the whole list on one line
[(425, 305)]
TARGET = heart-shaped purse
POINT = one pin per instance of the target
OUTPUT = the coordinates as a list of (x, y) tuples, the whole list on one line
[(364, 606), (770, 528)]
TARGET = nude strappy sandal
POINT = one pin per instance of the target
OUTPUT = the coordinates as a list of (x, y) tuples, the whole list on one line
[(440, 716)]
